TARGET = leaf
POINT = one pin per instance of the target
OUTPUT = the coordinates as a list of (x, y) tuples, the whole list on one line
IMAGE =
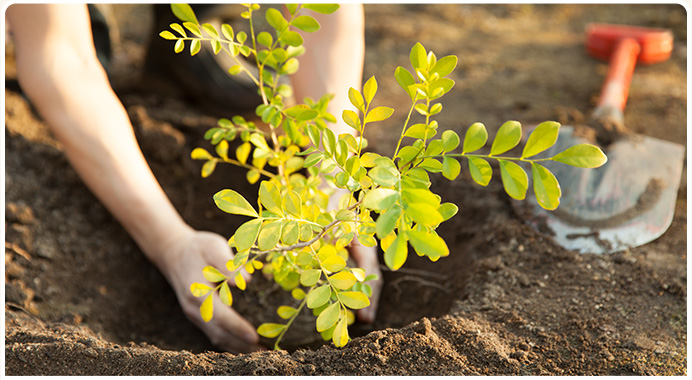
[(246, 234), (276, 19), (428, 243), (379, 114), (356, 99), (370, 89), (328, 317), (270, 197), (422, 213), (310, 277), (387, 221), (405, 80), (359, 274), (543, 137), (200, 290), (265, 39), (252, 176), (167, 35), (242, 152), (184, 12), (450, 140), (395, 255), (319, 296), (200, 154), (514, 179), (291, 38), (270, 330), (293, 203), (507, 137), (227, 31), (343, 280), (269, 236), (239, 281), (480, 170), (212, 274), (322, 8), (448, 210), (334, 263), (206, 309), (232, 202), (418, 57), (326, 251), (384, 176), (380, 199), (179, 46), (225, 295), (286, 312), (298, 294), (340, 335), (178, 28), (546, 187), (329, 141), (306, 23), (582, 156), (208, 168), (193, 28), (354, 300), (445, 66), (222, 149), (210, 30), (450, 168)]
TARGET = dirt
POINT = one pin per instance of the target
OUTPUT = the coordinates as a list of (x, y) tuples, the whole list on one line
[(81, 299)]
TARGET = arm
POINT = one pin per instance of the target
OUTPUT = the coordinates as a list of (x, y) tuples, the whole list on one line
[(59, 71), (333, 62)]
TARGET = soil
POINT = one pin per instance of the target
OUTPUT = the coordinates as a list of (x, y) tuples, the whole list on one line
[(81, 299)]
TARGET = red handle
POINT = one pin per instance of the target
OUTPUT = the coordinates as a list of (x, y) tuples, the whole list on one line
[(617, 83)]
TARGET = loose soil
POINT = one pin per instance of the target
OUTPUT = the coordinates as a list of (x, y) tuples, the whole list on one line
[(81, 299)]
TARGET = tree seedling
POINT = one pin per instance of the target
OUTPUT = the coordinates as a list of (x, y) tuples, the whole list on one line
[(292, 236)]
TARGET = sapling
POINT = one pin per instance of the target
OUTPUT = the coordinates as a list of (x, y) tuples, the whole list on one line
[(291, 236)]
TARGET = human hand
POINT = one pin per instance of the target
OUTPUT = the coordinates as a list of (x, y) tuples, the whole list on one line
[(186, 256)]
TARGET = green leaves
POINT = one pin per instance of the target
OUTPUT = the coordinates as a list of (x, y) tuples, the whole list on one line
[(476, 136), (514, 179), (318, 296), (582, 156), (546, 187), (232, 202), (184, 13), (291, 219), (543, 137), (395, 255), (507, 138)]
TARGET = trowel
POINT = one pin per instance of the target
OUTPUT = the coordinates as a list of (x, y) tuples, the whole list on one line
[(630, 200)]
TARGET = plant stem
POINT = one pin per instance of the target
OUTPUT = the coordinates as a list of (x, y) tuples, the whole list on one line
[(403, 131), (290, 321)]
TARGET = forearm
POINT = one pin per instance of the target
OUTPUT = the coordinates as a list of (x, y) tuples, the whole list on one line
[(333, 60), (62, 77), (99, 142)]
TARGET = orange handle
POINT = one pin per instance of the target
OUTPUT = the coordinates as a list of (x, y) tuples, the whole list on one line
[(617, 84)]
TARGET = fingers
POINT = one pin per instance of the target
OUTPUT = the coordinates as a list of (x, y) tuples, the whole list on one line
[(366, 258), (237, 334), (217, 252), (226, 330)]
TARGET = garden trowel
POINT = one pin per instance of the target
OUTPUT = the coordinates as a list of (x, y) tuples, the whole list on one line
[(630, 200)]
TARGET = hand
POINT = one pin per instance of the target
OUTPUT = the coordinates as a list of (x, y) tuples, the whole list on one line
[(186, 256)]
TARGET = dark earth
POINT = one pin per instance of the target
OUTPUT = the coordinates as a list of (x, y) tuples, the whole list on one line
[(81, 299)]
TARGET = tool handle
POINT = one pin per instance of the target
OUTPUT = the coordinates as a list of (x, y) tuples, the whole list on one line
[(617, 83)]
